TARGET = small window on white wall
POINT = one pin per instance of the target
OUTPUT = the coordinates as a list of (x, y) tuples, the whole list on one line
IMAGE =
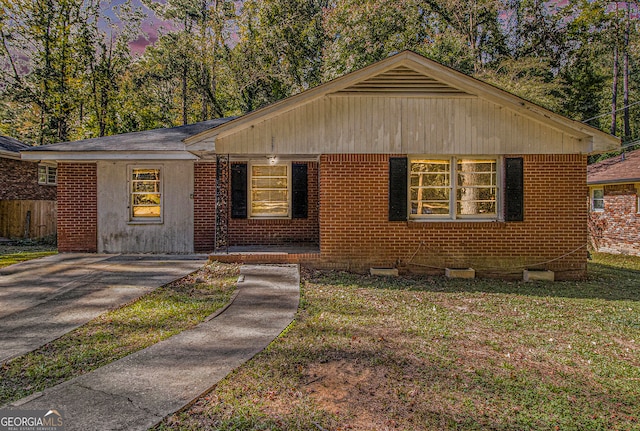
[(145, 194), (597, 199)]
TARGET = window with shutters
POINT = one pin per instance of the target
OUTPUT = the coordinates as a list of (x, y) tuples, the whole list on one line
[(145, 194), (260, 190), (269, 194), (453, 188)]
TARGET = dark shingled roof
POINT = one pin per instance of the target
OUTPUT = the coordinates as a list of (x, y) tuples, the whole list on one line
[(623, 168), (169, 139), (11, 145)]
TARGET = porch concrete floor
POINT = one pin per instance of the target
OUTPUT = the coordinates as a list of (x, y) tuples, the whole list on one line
[(271, 249)]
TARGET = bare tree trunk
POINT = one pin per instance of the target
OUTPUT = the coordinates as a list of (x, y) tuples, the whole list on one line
[(614, 90), (625, 84), (184, 96)]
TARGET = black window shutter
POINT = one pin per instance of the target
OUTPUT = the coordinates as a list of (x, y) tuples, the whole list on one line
[(514, 189), (398, 189), (300, 195), (239, 190)]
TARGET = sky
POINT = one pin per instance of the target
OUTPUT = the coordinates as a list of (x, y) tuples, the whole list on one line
[(149, 27)]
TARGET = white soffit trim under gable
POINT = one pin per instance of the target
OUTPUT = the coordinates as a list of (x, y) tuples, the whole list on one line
[(412, 75)]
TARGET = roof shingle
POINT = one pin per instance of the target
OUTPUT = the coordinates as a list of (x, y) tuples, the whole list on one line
[(622, 168), (11, 145)]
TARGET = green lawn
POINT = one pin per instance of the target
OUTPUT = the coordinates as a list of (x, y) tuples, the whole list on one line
[(15, 254), (367, 353)]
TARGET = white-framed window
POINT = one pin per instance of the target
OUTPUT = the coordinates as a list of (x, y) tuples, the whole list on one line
[(47, 175), (453, 188), (269, 190), (597, 199), (145, 193)]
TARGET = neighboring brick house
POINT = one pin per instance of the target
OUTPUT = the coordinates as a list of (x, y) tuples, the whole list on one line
[(614, 217), (404, 163), (27, 193)]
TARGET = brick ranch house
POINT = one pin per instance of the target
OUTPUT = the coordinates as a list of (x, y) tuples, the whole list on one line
[(27, 194), (405, 163), (614, 218)]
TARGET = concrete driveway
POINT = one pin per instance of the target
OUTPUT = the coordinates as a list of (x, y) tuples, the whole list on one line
[(42, 299), (139, 390)]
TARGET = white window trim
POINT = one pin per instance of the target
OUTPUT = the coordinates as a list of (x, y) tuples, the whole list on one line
[(591, 199), (250, 189), (144, 220), (47, 169), (453, 216)]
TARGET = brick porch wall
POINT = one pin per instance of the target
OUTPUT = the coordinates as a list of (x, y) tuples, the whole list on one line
[(280, 232), (20, 182), (617, 228), (204, 207), (356, 234), (77, 207)]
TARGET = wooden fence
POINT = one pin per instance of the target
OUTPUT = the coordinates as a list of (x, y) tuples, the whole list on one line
[(27, 219)]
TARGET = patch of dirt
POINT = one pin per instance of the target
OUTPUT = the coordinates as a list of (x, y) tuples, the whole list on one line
[(352, 389)]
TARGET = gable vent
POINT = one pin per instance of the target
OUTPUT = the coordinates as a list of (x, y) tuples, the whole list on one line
[(401, 81)]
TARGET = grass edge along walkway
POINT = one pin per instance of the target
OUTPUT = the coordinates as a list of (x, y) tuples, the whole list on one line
[(166, 311)]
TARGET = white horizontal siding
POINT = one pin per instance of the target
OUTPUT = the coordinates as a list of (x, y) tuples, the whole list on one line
[(395, 125)]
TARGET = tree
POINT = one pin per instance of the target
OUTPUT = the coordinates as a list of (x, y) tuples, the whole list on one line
[(107, 57), (41, 62), (361, 32), (192, 52)]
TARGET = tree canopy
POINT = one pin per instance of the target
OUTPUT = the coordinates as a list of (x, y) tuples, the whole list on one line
[(67, 70)]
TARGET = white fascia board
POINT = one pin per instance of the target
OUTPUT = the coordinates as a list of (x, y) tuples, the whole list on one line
[(9, 155), (107, 155)]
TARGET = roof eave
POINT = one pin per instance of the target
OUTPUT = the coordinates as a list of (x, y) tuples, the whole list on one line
[(614, 181), (107, 155), (9, 155)]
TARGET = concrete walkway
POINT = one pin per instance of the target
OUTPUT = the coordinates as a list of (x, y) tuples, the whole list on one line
[(42, 299), (138, 391)]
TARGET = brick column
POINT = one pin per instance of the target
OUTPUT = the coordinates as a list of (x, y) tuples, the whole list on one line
[(204, 206), (77, 207)]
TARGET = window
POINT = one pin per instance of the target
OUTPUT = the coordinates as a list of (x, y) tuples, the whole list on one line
[(597, 199), (47, 175), (453, 188), (146, 194), (269, 190)]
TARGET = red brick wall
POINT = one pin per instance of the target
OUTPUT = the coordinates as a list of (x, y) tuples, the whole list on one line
[(617, 228), (19, 181), (279, 232), (204, 207), (356, 234), (77, 207)]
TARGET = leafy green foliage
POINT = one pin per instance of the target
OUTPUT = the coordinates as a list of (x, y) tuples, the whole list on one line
[(66, 75)]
